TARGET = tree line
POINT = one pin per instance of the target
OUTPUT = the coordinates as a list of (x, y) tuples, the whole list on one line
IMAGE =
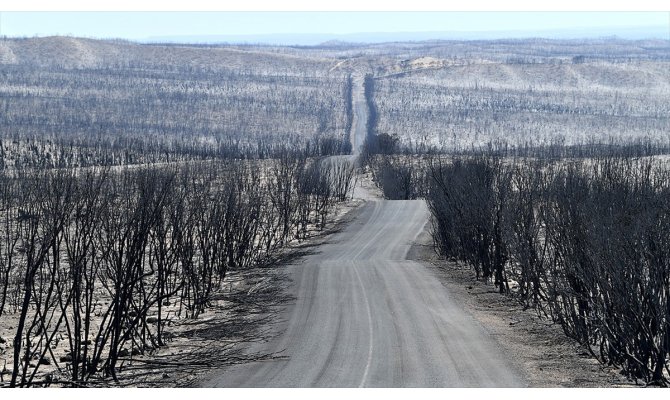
[(586, 242), (97, 261), (583, 241)]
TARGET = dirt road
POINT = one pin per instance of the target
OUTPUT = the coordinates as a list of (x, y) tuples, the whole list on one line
[(364, 316), (359, 123)]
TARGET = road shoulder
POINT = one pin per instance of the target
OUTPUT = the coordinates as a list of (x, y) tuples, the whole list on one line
[(536, 347)]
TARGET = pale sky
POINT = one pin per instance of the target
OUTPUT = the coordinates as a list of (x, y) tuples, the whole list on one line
[(143, 25)]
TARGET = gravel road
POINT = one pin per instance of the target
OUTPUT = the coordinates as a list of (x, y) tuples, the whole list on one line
[(365, 316)]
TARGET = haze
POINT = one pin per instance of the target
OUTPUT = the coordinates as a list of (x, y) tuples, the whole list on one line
[(315, 27)]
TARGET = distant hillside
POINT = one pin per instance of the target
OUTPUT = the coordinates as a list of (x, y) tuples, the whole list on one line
[(122, 102), (72, 52), (627, 32), (569, 102), (451, 94)]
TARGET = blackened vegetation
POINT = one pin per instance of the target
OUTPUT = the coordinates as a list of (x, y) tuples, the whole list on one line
[(61, 117), (369, 88), (467, 198), (470, 102), (585, 242), (371, 139), (559, 150), (349, 102), (98, 260), (226, 148), (400, 177), (378, 142)]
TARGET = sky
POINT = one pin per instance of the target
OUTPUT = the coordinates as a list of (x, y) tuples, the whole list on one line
[(147, 25)]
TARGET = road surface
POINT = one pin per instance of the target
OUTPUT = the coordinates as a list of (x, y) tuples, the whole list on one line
[(359, 130), (364, 316)]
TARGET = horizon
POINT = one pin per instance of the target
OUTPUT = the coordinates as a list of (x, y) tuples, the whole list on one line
[(285, 27)]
